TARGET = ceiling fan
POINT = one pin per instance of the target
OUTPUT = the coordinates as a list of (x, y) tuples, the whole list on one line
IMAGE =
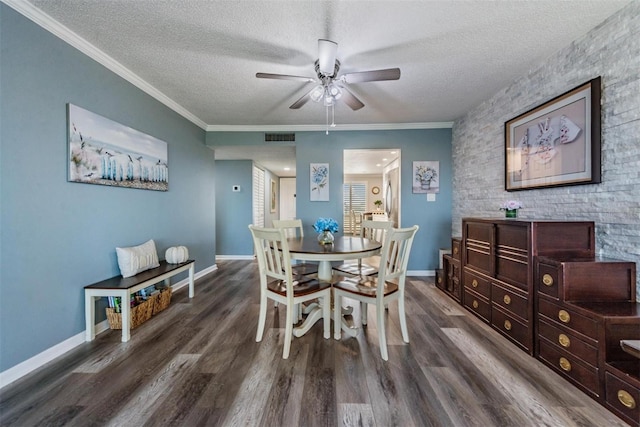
[(330, 88)]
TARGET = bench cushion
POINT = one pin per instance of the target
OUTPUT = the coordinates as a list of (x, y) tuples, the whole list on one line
[(136, 259)]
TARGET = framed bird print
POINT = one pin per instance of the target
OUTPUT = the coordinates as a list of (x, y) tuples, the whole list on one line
[(105, 152)]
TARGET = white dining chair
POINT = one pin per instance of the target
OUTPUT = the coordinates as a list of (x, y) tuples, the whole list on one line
[(293, 228), (277, 283), (372, 230), (356, 222), (388, 286)]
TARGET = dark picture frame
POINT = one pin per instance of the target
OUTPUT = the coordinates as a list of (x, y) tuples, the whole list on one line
[(557, 143)]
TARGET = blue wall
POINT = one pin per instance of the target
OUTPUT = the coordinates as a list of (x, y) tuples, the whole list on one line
[(434, 218), (57, 236), (234, 209)]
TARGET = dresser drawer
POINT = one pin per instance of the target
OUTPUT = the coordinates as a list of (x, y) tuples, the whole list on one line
[(547, 281), (581, 374), (440, 279), (452, 277), (571, 343), (510, 301), (456, 249), (569, 318), (511, 327), (623, 398), (477, 283), (478, 242), (478, 305)]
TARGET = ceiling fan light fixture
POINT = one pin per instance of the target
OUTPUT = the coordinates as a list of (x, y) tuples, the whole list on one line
[(335, 91), (327, 51), (317, 93), (328, 100)]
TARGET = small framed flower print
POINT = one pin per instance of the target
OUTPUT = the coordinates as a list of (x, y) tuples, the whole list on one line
[(425, 177), (319, 182)]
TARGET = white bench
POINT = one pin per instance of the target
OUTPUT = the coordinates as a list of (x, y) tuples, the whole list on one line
[(125, 287)]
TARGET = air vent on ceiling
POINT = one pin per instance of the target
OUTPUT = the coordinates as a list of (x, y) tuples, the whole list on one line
[(270, 137)]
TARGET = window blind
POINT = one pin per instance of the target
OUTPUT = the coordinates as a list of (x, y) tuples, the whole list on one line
[(258, 197), (354, 196)]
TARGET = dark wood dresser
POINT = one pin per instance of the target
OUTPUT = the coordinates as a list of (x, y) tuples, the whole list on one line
[(586, 307), (540, 285), (449, 278), (498, 266)]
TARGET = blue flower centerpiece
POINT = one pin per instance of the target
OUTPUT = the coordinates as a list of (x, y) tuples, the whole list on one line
[(325, 227)]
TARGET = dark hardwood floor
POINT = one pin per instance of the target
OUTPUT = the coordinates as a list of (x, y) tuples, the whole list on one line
[(197, 364)]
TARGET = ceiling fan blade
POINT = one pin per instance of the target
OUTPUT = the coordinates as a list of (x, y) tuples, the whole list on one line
[(327, 51), (350, 99), (283, 77), (372, 76), (303, 100)]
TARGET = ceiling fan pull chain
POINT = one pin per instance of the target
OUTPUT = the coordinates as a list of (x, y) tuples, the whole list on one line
[(333, 115), (327, 121)]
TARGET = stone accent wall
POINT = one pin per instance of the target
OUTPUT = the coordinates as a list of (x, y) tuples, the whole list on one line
[(610, 50)]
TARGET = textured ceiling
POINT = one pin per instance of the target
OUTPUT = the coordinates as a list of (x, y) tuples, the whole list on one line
[(203, 55)]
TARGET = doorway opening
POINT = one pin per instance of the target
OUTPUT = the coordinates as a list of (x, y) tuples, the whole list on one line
[(371, 187)]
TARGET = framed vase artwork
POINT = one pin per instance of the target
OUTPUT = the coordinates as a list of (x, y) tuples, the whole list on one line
[(319, 182), (426, 177), (105, 152), (556, 143)]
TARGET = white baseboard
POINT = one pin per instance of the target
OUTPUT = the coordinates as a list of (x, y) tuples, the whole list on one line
[(421, 273), (29, 365), (184, 282), (235, 257), (40, 359)]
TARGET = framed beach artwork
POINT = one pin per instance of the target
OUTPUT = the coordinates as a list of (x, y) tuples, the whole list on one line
[(425, 177), (105, 152), (557, 143), (319, 182)]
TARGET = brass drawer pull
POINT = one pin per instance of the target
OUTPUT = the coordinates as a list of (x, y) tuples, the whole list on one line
[(507, 299), (474, 304), (455, 250), (626, 399), (439, 279), (564, 316), (474, 283), (507, 325), (547, 280), (564, 340), (565, 365)]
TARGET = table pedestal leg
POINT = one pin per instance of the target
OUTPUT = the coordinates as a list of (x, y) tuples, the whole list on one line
[(324, 271), (312, 318)]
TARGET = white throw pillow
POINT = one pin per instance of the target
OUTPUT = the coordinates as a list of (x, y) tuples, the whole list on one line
[(136, 259)]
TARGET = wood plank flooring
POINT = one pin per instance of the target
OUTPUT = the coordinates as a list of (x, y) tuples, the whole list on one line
[(197, 364)]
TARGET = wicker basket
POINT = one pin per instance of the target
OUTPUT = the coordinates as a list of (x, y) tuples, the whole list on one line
[(139, 314), (162, 300)]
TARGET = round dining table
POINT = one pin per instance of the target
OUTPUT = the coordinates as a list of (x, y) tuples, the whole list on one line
[(343, 248)]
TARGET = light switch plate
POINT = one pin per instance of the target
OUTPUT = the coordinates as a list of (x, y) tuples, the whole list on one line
[(431, 197)]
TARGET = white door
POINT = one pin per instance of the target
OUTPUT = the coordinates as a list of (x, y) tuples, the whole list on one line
[(287, 198)]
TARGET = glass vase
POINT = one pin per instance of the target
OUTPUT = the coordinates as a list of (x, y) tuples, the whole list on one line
[(511, 213), (325, 238)]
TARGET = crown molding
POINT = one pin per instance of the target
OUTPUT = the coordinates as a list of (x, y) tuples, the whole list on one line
[(315, 128), (57, 29), (67, 35)]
